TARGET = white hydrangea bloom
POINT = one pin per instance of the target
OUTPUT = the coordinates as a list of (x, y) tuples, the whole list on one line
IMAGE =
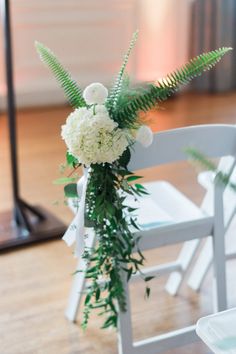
[(144, 135), (92, 137), (95, 93)]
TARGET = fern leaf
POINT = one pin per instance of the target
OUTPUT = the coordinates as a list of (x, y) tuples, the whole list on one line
[(205, 162), (160, 90), (201, 159), (115, 91), (71, 89)]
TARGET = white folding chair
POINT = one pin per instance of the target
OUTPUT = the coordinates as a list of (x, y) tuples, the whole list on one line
[(190, 248), (181, 220), (206, 179)]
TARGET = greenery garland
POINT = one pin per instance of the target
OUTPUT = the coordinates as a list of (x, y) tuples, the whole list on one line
[(109, 183)]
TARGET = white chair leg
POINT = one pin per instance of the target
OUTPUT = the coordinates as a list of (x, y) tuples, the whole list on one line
[(201, 266), (220, 300), (78, 284), (157, 344), (186, 255), (219, 256), (204, 261), (125, 335)]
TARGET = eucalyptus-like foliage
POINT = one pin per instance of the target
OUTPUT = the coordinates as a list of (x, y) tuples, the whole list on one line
[(71, 89), (160, 90), (112, 219)]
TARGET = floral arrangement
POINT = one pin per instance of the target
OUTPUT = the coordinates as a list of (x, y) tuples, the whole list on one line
[(99, 135)]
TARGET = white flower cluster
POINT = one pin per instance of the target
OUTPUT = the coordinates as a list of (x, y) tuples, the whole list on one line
[(91, 135)]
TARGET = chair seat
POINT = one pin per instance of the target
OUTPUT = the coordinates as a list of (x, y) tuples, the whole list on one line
[(218, 331), (164, 205)]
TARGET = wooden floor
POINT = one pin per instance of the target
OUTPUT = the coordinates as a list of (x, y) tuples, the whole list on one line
[(35, 281)]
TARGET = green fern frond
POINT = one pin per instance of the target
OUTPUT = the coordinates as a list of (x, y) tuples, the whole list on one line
[(115, 91), (71, 89), (162, 89), (201, 159)]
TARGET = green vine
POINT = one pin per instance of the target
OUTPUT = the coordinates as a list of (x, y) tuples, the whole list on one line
[(112, 220)]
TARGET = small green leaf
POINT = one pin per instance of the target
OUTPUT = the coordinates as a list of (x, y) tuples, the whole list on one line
[(87, 299), (130, 272), (133, 178), (133, 223), (98, 292), (125, 158), (64, 180), (110, 322), (131, 210), (91, 269), (71, 160), (147, 292), (148, 278), (70, 190), (139, 186)]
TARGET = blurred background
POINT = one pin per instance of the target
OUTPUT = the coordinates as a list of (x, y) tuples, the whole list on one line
[(90, 38)]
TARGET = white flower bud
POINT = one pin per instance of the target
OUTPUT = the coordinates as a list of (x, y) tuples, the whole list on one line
[(95, 93), (144, 135)]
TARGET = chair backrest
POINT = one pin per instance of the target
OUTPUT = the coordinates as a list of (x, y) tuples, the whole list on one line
[(214, 140)]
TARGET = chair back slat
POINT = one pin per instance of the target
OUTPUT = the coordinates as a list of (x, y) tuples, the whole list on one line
[(215, 140)]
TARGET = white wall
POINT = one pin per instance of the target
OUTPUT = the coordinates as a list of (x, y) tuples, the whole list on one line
[(164, 37), (90, 37)]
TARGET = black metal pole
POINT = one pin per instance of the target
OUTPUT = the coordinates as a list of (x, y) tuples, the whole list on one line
[(10, 99), (32, 224)]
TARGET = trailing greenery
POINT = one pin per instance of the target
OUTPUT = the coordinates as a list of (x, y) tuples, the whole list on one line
[(107, 210), (71, 89), (112, 220), (206, 163)]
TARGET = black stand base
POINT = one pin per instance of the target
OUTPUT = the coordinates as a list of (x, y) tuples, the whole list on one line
[(41, 229)]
